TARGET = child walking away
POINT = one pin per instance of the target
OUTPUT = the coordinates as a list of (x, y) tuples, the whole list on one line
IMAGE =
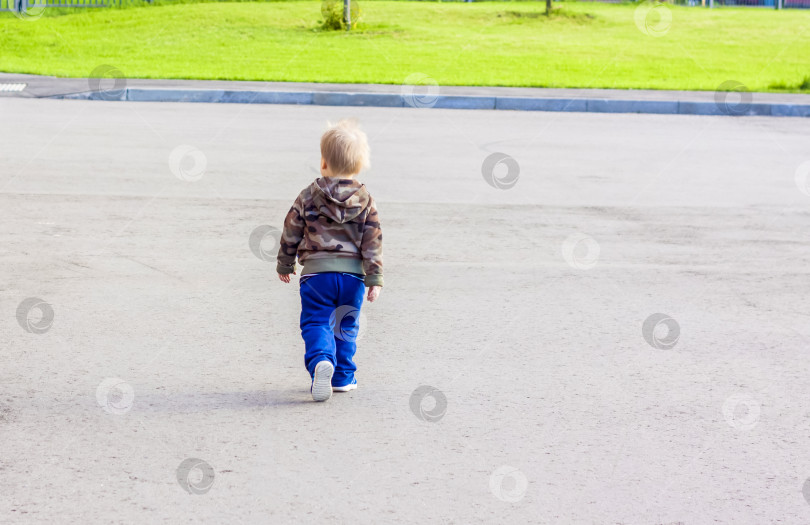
[(334, 230)]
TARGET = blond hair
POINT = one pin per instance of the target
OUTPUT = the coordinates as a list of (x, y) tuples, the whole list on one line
[(345, 148)]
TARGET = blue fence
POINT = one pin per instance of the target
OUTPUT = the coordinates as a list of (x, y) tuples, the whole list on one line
[(800, 4), (770, 4), (23, 6)]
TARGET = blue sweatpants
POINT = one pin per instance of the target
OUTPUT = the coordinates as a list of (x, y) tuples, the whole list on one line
[(330, 321)]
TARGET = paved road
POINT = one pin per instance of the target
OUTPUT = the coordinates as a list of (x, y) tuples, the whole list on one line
[(173, 351)]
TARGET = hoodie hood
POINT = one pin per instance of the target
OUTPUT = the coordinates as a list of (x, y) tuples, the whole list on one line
[(342, 200)]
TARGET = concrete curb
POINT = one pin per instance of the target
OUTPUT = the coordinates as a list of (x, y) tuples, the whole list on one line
[(586, 105)]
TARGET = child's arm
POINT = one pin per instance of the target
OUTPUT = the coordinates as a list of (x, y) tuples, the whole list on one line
[(290, 239), (371, 249)]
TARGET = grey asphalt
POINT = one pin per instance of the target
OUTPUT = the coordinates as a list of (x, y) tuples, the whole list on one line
[(169, 386)]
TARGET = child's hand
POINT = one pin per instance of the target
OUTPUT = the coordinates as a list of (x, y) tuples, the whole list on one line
[(373, 293), (285, 277)]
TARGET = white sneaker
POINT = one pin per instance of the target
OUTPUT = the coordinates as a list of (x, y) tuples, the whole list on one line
[(345, 388), (322, 381)]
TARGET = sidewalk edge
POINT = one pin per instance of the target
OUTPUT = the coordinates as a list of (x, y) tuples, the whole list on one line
[(317, 98)]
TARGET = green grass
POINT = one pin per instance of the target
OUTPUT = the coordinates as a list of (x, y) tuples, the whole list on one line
[(587, 45)]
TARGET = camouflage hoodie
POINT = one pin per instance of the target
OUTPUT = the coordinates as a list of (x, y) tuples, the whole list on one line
[(333, 227)]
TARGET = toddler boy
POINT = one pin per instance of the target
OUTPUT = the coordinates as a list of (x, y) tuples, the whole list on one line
[(334, 230)]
